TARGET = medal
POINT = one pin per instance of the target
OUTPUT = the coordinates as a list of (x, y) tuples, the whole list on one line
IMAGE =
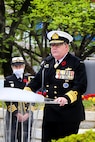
[(64, 74), (65, 85)]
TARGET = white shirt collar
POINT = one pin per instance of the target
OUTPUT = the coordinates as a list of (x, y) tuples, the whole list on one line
[(21, 76), (61, 59)]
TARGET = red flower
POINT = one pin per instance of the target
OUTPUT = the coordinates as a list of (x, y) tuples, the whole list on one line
[(63, 63), (88, 96), (42, 93)]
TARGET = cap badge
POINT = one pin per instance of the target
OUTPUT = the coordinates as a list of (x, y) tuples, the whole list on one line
[(55, 36)]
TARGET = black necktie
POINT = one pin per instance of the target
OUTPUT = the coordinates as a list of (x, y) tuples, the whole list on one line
[(57, 61)]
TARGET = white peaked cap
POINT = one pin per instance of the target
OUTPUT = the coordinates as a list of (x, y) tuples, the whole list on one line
[(59, 36)]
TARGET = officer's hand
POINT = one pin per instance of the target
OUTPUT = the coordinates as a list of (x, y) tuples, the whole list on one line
[(19, 117), (25, 117), (61, 100)]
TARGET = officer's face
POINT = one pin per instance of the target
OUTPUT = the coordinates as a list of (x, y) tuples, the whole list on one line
[(59, 50), (18, 66), (18, 70)]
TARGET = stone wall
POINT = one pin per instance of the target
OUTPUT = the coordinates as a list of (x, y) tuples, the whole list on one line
[(89, 121)]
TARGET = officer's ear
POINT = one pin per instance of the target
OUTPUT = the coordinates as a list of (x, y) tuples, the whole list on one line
[(12, 66), (23, 65)]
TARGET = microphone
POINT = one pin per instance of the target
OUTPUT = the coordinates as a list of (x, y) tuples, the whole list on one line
[(47, 59)]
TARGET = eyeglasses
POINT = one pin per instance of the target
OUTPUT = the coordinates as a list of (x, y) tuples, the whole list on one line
[(56, 44)]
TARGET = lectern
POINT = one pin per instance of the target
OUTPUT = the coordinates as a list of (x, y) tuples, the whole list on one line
[(8, 94)]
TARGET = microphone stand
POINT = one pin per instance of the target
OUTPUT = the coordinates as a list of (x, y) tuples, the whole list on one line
[(43, 65), (43, 75), (47, 100)]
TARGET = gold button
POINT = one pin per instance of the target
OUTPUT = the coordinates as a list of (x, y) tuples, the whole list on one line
[(46, 90), (47, 85), (55, 97), (55, 92), (55, 86), (46, 96)]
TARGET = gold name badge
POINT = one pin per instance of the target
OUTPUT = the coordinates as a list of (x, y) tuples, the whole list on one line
[(64, 74)]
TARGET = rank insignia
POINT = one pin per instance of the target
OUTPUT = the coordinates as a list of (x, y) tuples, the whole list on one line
[(55, 36)]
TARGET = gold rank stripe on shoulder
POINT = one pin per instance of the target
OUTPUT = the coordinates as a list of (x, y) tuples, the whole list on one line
[(72, 95), (12, 108)]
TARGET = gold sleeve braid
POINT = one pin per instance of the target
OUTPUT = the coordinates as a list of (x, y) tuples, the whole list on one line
[(30, 107), (72, 95), (12, 108), (27, 89), (24, 107), (21, 107)]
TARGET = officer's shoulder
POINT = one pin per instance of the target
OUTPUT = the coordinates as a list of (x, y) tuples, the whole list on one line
[(75, 58), (9, 77), (29, 76), (48, 58)]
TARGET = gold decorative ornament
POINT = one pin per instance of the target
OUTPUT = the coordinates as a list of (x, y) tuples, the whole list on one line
[(12, 108), (55, 36)]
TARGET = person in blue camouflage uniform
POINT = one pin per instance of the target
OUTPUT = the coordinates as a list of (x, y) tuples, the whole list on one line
[(65, 81), (17, 112)]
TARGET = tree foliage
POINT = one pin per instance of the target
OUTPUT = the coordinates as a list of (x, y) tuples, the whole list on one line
[(24, 25), (75, 17)]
